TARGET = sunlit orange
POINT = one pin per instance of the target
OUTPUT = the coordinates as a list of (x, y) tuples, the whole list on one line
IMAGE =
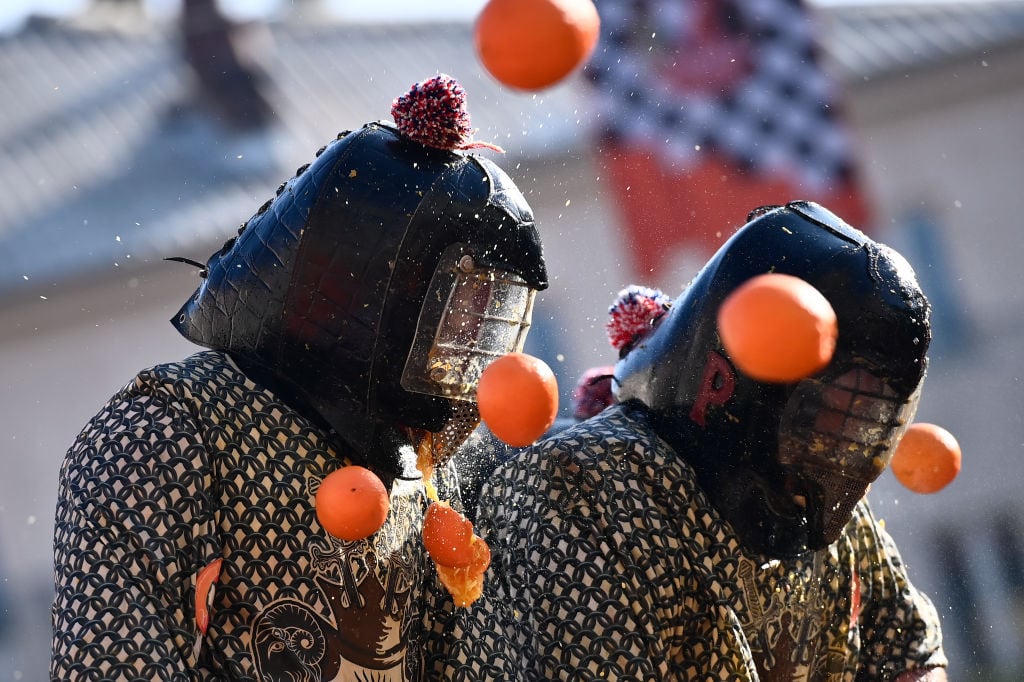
[(352, 503), (927, 458), (778, 328), (534, 44), (466, 583), (447, 535), (518, 398)]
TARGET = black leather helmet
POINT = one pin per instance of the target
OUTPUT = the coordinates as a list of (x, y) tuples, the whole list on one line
[(786, 463), (325, 291)]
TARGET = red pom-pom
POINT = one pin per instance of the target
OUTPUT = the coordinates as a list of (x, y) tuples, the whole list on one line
[(593, 392), (633, 314), (434, 114)]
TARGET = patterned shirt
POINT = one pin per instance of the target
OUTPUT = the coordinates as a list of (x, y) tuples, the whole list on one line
[(190, 463), (610, 563)]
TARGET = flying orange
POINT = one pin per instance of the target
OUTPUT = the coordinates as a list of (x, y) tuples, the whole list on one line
[(352, 503), (518, 398), (778, 328), (927, 458), (534, 44)]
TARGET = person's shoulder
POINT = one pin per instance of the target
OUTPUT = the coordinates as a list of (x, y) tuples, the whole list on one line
[(863, 521), (149, 429), (616, 427), (201, 377), (867, 534), (206, 366), (595, 455)]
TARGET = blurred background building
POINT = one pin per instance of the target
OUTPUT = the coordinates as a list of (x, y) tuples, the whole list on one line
[(126, 139)]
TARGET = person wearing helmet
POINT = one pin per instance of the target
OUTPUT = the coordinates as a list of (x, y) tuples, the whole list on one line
[(346, 324), (710, 526)]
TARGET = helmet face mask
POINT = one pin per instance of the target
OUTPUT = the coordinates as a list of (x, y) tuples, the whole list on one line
[(785, 464), (836, 436), (471, 315)]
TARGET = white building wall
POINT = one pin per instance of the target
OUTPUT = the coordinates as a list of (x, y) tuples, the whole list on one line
[(950, 143)]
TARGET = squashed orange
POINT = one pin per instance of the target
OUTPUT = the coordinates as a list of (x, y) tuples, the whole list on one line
[(447, 535)]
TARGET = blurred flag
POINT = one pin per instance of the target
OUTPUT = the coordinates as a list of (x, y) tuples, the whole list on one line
[(708, 109)]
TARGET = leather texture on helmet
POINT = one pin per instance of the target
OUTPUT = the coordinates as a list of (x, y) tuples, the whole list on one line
[(320, 292)]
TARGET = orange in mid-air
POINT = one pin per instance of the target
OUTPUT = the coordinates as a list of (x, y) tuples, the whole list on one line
[(778, 328), (518, 398), (534, 44), (927, 458), (352, 503)]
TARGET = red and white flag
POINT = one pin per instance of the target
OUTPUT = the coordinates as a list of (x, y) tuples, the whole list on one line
[(708, 109)]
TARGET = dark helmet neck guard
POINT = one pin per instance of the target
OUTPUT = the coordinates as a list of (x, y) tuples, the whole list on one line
[(320, 293), (757, 448)]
